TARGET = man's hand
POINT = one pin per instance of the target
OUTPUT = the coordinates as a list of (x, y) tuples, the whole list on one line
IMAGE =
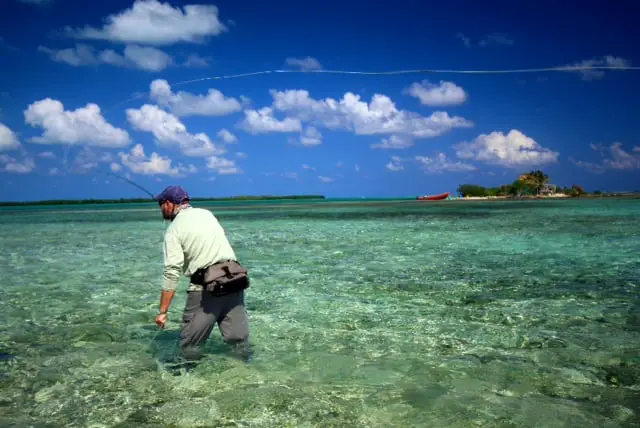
[(161, 320), (165, 301)]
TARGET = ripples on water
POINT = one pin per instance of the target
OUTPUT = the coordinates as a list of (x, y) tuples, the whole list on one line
[(448, 314)]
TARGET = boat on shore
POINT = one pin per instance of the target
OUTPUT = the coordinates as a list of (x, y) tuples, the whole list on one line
[(439, 197)]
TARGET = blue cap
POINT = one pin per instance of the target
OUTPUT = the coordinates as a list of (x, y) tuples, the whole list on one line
[(175, 194)]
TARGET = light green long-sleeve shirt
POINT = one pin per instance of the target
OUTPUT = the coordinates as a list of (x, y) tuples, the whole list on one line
[(194, 239)]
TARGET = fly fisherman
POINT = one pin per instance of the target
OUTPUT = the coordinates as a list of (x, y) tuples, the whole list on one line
[(195, 245)]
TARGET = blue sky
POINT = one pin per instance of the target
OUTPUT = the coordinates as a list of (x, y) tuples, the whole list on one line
[(91, 87)]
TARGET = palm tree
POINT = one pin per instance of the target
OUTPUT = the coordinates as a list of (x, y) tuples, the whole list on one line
[(535, 179)]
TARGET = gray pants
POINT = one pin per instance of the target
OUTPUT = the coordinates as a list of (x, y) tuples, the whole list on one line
[(203, 310)]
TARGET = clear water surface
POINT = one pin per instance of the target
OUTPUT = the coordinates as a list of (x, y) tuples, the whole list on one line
[(377, 314)]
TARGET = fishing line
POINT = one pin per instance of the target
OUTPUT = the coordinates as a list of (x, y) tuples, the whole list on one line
[(573, 68), (417, 71), (394, 73)]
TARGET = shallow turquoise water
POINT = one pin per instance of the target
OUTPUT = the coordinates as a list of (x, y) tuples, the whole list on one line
[(446, 314)]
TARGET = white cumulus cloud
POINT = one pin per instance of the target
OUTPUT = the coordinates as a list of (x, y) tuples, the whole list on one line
[(305, 64), (262, 121), (395, 164), (227, 136), (169, 131), (88, 159), (137, 162), (186, 104), (441, 94), (143, 57), (511, 150), (379, 116), (8, 138), (134, 56), (17, 166), (222, 166), (613, 157), (588, 73), (82, 126), (311, 137), (440, 163), (154, 22), (394, 142), (196, 61)]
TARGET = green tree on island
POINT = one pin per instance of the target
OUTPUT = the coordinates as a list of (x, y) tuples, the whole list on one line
[(519, 187), (527, 184), (576, 190), (535, 180)]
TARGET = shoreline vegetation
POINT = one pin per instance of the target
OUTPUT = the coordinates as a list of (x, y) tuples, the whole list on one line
[(626, 195), (474, 196), (533, 185)]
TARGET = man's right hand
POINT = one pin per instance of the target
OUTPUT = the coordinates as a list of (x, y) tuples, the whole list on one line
[(161, 320), (165, 301)]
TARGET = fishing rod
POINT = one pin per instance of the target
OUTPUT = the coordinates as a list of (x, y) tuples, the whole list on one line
[(132, 183)]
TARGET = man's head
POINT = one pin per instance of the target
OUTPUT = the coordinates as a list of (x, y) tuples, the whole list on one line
[(170, 200)]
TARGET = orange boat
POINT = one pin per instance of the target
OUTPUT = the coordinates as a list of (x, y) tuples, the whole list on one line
[(439, 197)]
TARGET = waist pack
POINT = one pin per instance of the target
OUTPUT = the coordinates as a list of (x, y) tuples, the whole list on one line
[(222, 278)]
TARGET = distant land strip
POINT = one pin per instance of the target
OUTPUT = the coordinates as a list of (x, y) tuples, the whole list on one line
[(143, 200)]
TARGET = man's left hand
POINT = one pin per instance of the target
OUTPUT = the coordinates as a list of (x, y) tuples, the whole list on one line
[(161, 320)]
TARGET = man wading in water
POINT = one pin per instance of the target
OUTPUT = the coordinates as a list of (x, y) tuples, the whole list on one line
[(195, 245)]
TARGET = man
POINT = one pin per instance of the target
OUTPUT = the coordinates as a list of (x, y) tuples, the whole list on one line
[(194, 241)]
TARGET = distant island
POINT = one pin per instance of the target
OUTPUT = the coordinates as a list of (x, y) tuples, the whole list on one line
[(534, 184), (143, 200)]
